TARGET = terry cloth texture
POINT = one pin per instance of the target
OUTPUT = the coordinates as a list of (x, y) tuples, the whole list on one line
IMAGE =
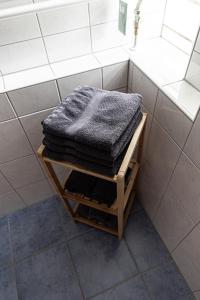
[(92, 127), (89, 153)]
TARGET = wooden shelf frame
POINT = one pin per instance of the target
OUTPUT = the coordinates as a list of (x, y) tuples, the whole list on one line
[(122, 205)]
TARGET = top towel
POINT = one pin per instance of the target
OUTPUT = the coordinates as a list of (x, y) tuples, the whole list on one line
[(93, 117)]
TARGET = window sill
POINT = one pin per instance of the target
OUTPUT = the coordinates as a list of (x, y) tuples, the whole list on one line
[(165, 66)]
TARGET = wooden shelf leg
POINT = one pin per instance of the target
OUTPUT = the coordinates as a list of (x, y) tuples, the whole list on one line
[(120, 210), (57, 186)]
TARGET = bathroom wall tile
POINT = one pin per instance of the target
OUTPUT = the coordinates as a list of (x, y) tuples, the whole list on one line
[(130, 75), (14, 143), (62, 19), (23, 171), (75, 65), (112, 56), (28, 77), (193, 72), (172, 119), (7, 4), (185, 187), (6, 110), (197, 295), (10, 202), (187, 258), (197, 45), (115, 76), (144, 86), (192, 147), (102, 11), (147, 131), (172, 221), (122, 90), (185, 96), (5, 187), (33, 128), (35, 98), (23, 55), (156, 171), (12, 30), (69, 44), (67, 84), (2, 88), (35, 192), (106, 36)]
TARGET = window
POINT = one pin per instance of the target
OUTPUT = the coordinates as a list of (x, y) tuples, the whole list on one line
[(181, 23)]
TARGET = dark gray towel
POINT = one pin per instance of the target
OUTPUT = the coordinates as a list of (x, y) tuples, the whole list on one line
[(93, 117), (96, 167), (62, 145)]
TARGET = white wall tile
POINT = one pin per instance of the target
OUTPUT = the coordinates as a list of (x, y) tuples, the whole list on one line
[(130, 75), (172, 221), (102, 11), (75, 65), (112, 56), (23, 171), (172, 119), (11, 3), (147, 131), (5, 187), (33, 128), (197, 45), (106, 36), (64, 19), (187, 258), (6, 110), (35, 192), (10, 202), (192, 147), (35, 98), (67, 84), (23, 55), (143, 85), (18, 29), (185, 187), (14, 143), (185, 96), (161, 157), (115, 76), (193, 72), (69, 44), (28, 77)]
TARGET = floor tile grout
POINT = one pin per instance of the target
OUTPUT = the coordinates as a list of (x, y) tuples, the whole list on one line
[(76, 273)]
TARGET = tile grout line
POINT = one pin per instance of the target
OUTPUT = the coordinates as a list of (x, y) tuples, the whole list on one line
[(43, 41), (54, 34), (90, 29), (76, 272), (139, 272)]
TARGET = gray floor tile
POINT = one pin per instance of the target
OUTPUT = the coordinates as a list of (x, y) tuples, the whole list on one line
[(144, 242), (133, 289), (34, 228), (5, 247), (165, 282), (48, 276), (8, 289), (101, 261), (72, 229)]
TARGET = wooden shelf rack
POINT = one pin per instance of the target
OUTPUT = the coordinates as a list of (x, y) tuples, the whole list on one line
[(121, 207)]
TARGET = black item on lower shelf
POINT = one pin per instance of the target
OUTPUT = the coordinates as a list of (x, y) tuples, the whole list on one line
[(98, 189), (99, 217)]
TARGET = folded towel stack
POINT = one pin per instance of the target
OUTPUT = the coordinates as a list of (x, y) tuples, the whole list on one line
[(92, 127)]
